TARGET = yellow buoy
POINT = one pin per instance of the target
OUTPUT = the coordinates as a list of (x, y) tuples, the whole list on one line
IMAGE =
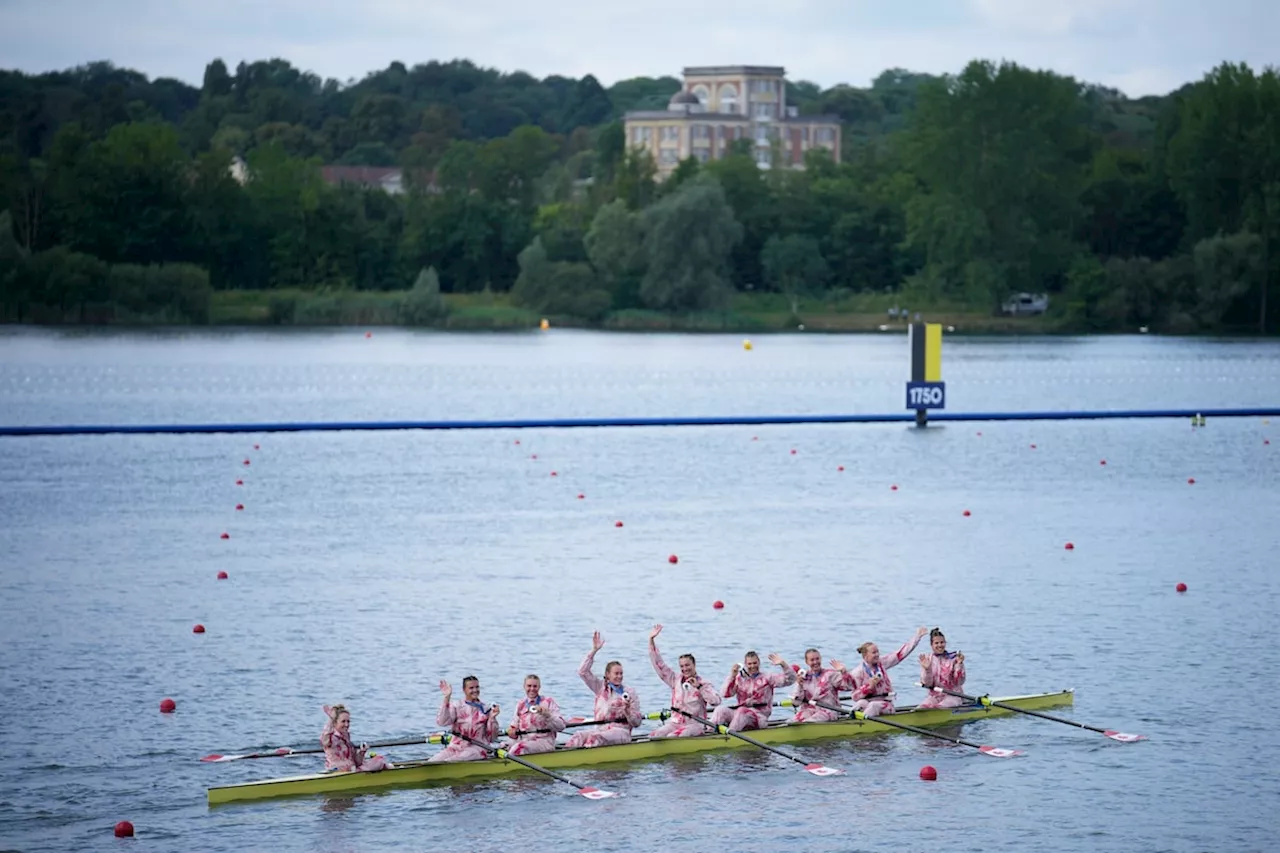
[(746, 344), (545, 324)]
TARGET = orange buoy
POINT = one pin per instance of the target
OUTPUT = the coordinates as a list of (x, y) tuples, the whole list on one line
[(168, 706)]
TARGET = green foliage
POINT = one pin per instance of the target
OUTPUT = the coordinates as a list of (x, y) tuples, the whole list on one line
[(688, 237), (558, 287), (794, 266), (423, 304)]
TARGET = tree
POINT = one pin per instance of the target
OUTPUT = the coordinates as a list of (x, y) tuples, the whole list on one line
[(423, 304), (615, 247), (794, 266), (688, 239)]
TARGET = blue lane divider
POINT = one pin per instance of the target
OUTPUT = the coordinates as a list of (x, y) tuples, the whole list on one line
[(563, 423)]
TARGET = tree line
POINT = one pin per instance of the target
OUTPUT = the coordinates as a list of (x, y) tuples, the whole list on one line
[(118, 204)]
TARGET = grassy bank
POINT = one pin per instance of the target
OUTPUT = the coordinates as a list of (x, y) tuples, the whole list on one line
[(748, 312)]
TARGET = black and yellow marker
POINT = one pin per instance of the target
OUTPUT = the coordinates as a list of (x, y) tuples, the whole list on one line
[(925, 389)]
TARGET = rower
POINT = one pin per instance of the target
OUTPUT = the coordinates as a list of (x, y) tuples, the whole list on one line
[(941, 669), (536, 722), (616, 706), (869, 681), (339, 753), (688, 693), (469, 718), (753, 691), (817, 685)]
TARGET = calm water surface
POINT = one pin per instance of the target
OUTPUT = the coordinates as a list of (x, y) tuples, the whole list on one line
[(367, 566)]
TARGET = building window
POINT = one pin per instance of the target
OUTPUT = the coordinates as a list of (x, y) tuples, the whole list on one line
[(641, 135), (765, 111), (825, 134), (762, 136), (763, 156), (804, 135), (728, 98), (702, 154), (671, 134), (702, 93), (700, 131), (668, 157)]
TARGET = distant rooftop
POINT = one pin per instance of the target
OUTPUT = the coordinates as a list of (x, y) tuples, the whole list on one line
[(724, 70)]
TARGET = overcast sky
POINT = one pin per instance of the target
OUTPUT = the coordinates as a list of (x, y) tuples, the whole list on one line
[(1138, 46)]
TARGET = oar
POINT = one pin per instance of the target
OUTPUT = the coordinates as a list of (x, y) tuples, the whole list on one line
[(815, 769), (988, 702), (585, 790), (996, 751), (574, 722), (284, 750)]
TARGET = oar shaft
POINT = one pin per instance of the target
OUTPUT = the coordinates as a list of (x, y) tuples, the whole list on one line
[(987, 700), (858, 715), (724, 730), (502, 753)]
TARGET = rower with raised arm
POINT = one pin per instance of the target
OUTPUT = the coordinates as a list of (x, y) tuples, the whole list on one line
[(689, 693), (537, 720), (816, 685), (340, 753), (616, 705), (469, 718), (941, 669), (753, 691), (869, 681)]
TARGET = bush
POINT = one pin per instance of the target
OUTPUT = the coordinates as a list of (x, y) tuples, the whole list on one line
[(423, 305)]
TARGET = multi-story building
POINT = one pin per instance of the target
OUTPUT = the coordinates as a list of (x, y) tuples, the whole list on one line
[(722, 103)]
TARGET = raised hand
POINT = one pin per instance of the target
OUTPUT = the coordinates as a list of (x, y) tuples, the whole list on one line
[(836, 665), (959, 657), (656, 630), (494, 710), (597, 642), (921, 631), (776, 659), (733, 673), (924, 660), (445, 688)]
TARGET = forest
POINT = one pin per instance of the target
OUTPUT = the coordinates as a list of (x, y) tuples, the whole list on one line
[(119, 202)]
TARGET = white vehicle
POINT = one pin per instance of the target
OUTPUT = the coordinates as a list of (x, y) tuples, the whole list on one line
[(1026, 303)]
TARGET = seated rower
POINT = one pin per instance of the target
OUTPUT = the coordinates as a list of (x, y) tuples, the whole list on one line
[(818, 685), (617, 707), (469, 718), (753, 691), (537, 720), (688, 692), (339, 753), (941, 669), (869, 681)]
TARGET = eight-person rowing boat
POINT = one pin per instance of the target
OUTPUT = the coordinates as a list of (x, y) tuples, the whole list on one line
[(696, 719)]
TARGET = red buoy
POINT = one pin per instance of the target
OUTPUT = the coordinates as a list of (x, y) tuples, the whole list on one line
[(755, 438), (581, 496), (1191, 481), (1069, 547), (979, 432), (554, 474), (617, 524), (966, 513), (198, 629), (1181, 587), (168, 706), (893, 488), (256, 447), (239, 482), (929, 773), (1033, 447), (533, 456), (517, 441), (246, 461), (1266, 441), (718, 604), (368, 334), (225, 536), (839, 467), (124, 829), (793, 451), (239, 507), (222, 576), (673, 559), (1102, 462)]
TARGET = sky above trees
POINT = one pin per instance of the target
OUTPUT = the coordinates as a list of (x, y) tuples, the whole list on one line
[(1141, 47)]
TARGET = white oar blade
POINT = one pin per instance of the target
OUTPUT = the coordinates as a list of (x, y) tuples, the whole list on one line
[(220, 758), (1124, 738), (998, 752), (596, 794), (819, 770)]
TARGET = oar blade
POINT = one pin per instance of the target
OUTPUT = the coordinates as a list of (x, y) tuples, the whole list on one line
[(1123, 737), (216, 757), (595, 793), (821, 770), (999, 752)]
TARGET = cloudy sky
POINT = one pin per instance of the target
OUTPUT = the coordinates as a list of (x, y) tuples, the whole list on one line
[(1139, 46)]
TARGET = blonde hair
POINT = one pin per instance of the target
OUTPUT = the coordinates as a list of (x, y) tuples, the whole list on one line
[(862, 649), (336, 711)]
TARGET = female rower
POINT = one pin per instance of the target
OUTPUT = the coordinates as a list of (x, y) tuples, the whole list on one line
[(817, 685), (688, 693), (754, 692), (536, 722), (469, 718), (339, 753), (616, 705), (941, 669), (869, 681)]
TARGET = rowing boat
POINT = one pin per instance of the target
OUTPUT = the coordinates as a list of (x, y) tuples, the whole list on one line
[(422, 772)]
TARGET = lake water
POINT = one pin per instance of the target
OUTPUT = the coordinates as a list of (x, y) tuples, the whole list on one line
[(367, 566)]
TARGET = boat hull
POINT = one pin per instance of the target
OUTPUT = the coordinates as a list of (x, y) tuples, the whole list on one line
[(421, 772)]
